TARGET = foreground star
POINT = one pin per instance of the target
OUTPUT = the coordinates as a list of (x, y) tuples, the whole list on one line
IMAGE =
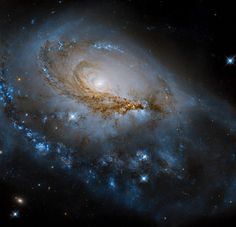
[(230, 60)]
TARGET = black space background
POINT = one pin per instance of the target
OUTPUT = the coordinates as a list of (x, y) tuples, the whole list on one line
[(194, 26)]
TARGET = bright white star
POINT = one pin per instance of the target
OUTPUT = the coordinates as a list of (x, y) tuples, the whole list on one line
[(15, 214), (143, 178), (230, 60)]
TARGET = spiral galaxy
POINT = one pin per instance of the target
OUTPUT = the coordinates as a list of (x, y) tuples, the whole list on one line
[(93, 100), (94, 74)]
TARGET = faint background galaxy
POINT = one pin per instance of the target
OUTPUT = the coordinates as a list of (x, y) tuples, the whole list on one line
[(117, 113)]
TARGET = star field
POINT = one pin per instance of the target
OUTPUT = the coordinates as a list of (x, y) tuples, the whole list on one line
[(117, 112)]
